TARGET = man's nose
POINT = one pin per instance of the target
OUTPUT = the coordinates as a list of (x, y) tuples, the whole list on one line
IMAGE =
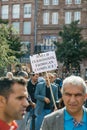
[(26, 103), (72, 98)]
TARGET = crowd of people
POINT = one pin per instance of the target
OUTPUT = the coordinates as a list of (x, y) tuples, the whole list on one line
[(46, 102)]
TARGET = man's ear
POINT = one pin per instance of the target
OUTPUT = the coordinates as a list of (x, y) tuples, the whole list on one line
[(2, 101)]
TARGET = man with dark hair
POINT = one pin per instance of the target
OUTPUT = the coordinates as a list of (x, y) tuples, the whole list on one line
[(13, 102), (32, 83), (23, 123)]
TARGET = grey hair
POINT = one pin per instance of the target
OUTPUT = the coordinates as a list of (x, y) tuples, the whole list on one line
[(9, 75), (74, 80)]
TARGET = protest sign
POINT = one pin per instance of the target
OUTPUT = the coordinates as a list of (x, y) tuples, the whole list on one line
[(44, 62)]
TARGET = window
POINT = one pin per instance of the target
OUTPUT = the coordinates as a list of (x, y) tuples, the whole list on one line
[(48, 40), (4, 14), (77, 16), (68, 1), (68, 17), (55, 2), (77, 1), (27, 28), (25, 46), (55, 18), (27, 10), (46, 18), (16, 11), (46, 2), (16, 26), (48, 44)]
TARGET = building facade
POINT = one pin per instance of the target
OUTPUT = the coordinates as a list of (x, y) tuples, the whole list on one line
[(39, 21), (20, 13), (53, 14)]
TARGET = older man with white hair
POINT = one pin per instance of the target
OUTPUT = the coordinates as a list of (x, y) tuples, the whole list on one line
[(73, 116)]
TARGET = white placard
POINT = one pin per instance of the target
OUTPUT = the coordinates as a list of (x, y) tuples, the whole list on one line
[(44, 62)]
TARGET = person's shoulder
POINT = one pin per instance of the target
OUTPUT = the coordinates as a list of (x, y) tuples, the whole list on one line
[(29, 81), (54, 85), (55, 114), (29, 84), (85, 109), (41, 83), (41, 79), (58, 80), (40, 86)]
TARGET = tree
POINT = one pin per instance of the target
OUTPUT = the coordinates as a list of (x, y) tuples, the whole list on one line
[(13, 40), (10, 45), (73, 49), (4, 51), (3, 21)]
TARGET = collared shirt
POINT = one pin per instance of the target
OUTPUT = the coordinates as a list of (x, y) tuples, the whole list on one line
[(5, 126), (71, 124)]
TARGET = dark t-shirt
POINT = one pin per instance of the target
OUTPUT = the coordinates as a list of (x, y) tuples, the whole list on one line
[(31, 90), (48, 95)]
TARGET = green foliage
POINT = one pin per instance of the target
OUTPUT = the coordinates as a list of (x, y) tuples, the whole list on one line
[(5, 59), (14, 42), (73, 48), (9, 45), (3, 21)]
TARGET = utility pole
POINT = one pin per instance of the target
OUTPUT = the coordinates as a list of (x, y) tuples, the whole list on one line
[(35, 25), (35, 44)]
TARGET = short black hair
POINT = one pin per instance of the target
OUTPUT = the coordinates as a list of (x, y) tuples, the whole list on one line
[(6, 85)]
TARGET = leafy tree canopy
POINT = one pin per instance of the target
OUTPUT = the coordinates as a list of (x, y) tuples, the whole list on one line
[(73, 48), (3, 21), (14, 42), (9, 45)]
